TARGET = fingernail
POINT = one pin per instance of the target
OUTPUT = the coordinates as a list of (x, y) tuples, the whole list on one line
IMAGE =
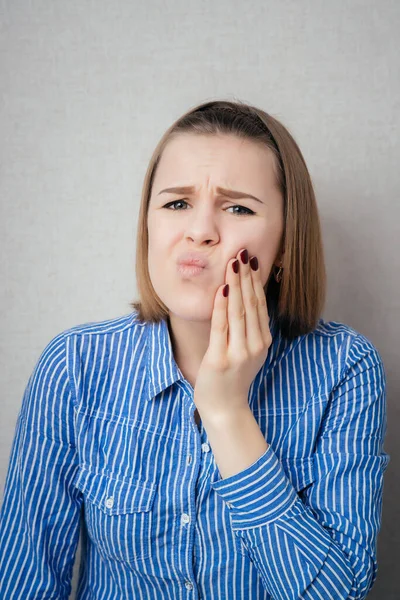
[(254, 263), (225, 290), (244, 255), (235, 266)]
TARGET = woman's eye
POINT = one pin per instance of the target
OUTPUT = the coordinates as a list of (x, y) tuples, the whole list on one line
[(174, 202), (248, 211)]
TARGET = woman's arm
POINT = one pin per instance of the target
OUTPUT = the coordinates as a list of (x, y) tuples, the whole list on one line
[(321, 543), (39, 517)]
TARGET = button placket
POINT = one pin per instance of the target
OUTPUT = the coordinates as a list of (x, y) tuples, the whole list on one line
[(188, 585), (185, 518)]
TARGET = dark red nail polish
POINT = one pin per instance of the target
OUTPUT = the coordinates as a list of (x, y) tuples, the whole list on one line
[(235, 266), (254, 263), (225, 290), (244, 255)]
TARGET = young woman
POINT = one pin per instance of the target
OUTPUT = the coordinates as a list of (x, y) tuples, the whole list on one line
[(222, 440)]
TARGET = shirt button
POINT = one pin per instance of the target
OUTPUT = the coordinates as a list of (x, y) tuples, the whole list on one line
[(185, 518), (188, 585), (205, 447), (110, 502), (189, 459)]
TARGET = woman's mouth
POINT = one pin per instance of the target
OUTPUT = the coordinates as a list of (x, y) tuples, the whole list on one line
[(186, 270)]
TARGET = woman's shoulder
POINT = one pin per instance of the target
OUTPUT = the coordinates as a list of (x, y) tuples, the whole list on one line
[(334, 328), (345, 333), (345, 345), (106, 326), (84, 337)]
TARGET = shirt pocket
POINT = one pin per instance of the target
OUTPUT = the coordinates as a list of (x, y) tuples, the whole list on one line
[(118, 514)]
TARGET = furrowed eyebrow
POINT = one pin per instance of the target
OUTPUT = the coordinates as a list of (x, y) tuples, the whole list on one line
[(236, 195)]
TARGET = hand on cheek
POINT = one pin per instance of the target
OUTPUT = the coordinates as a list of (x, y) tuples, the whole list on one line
[(239, 340)]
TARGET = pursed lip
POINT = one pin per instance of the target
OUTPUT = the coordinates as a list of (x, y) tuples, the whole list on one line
[(192, 258)]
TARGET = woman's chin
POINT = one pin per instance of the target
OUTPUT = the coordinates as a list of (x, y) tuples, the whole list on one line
[(193, 312)]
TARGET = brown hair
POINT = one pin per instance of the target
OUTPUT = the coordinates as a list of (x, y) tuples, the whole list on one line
[(296, 302)]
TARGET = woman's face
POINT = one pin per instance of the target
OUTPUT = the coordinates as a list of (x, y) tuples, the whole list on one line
[(207, 222)]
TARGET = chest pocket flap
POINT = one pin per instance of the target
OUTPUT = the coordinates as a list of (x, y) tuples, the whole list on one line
[(115, 496)]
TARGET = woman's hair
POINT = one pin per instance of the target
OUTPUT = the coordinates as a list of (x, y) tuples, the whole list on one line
[(296, 302)]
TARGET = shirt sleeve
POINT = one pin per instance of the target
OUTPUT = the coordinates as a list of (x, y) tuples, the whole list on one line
[(321, 543), (39, 517)]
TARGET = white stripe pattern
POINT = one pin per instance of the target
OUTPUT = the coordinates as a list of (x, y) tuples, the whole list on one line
[(106, 445)]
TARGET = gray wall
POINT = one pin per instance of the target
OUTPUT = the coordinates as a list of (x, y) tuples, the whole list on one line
[(86, 91)]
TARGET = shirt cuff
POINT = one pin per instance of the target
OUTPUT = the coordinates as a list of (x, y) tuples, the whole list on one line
[(258, 495)]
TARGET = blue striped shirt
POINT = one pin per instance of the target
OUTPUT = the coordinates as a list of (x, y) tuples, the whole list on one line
[(106, 445)]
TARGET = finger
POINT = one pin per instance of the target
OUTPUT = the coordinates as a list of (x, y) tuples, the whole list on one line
[(218, 343), (254, 338), (262, 307), (236, 312)]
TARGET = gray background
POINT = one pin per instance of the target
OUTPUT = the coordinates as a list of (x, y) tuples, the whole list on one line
[(86, 91)]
